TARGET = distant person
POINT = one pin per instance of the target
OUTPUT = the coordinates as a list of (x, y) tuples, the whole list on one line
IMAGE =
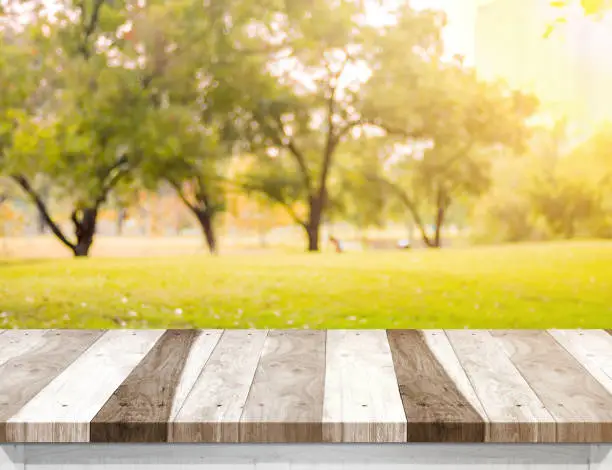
[(337, 244)]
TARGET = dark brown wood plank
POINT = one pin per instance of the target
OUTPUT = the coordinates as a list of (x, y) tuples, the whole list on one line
[(140, 408), (25, 375), (285, 403), (435, 409), (580, 404)]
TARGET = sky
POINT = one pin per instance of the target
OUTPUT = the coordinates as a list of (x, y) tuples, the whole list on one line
[(461, 18)]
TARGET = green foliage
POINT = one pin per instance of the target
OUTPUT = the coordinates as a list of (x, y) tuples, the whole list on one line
[(445, 155), (304, 102)]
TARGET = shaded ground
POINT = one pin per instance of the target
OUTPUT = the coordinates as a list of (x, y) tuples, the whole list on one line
[(562, 285)]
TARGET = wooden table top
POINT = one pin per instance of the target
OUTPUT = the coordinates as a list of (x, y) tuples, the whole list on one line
[(306, 386)]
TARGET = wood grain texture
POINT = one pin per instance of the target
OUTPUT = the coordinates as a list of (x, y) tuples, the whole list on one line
[(581, 406), (435, 409), (362, 398), (14, 343), (592, 349), (140, 408), (212, 410), (25, 375), (441, 348), (198, 357), (515, 412), (360, 386), (285, 403), (61, 412)]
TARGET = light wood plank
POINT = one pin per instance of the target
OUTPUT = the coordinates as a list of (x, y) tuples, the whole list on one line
[(198, 357), (140, 408), (362, 399), (440, 346), (591, 348), (212, 410), (515, 412), (435, 409), (14, 343), (581, 406), (61, 412), (285, 403), (25, 375)]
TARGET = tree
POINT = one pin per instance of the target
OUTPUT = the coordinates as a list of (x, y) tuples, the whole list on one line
[(462, 123), (574, 196), (353, 197), (82, 132), (197, 49), (308, 101)]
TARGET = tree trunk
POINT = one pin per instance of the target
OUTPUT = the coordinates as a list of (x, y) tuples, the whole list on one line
[(85, 230), (442, 204), (205, 218), (437, 243), (121, 216), (313, 227)]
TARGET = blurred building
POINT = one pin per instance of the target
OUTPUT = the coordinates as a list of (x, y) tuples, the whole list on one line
[(570, 70)]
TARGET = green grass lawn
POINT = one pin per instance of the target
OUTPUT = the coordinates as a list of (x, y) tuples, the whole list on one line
[(554, 285)]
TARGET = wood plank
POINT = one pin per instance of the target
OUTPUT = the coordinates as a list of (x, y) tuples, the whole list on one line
[(25, 375), (591, 348), (16, 342), (198, 357), (211, 412), (515, 412), (285, 403), (435, 409), (362, 398), (440, 346), (139, 409), (581, 406), (61, 412)]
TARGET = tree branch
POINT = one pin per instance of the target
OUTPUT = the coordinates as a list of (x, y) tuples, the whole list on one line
[(409, 203), (332, 140), (181, 194), (91, 26), (23, 182), (299, 156), (111, 177)]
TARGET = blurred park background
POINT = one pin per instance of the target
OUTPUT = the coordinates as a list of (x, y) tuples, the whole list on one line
[(306, 163)]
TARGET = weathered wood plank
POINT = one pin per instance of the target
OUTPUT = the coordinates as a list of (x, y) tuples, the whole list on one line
[(591, 348), (14, 343), (362, 399), (61, 412), (140, 408), (515, 412), (440, 346), (212, 410), (435, 409), (581, 406), (285, 403), (198, 357), (24, 375)]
